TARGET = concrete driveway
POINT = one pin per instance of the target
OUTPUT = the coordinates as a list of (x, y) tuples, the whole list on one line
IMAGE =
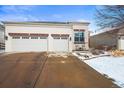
[(48, 70)]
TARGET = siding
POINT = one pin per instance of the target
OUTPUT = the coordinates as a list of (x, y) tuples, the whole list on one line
[(103, 39)]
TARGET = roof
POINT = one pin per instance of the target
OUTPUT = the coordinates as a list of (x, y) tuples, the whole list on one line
[(43, 22), (109, 30)]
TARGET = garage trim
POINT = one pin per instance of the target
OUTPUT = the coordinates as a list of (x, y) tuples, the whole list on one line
[(28, 34)]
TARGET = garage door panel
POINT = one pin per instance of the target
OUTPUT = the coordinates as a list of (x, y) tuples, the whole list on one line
[(60, 45), (29, 44)]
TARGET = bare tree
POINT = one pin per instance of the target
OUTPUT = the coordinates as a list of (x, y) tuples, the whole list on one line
[(109, 16)]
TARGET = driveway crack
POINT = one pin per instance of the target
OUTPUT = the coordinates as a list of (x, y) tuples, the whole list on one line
[(42, 67)]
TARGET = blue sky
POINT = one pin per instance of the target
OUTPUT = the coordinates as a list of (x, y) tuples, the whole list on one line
[(49, 13)]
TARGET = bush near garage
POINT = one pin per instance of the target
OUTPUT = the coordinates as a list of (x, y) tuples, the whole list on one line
[(117, 53)]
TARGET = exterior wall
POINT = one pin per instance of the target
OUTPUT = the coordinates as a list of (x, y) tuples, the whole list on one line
[(86, 35), (47, 29), (37, 29), (109, 38), (103, 39)]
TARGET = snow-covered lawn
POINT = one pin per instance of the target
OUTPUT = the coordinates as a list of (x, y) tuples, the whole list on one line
[(111, 66)]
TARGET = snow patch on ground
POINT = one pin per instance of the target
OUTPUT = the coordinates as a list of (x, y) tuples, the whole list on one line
[(111, 66), (83, 55)]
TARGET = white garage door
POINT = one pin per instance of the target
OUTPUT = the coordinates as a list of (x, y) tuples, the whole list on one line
[(29, 44), (60, 44)]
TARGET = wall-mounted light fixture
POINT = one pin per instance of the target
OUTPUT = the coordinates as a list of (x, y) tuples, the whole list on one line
[(70, 38), (119, 37), (6, 37)]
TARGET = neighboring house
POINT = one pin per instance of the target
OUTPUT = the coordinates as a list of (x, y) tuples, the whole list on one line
[(46, 36), (2, 43), (113, 37)]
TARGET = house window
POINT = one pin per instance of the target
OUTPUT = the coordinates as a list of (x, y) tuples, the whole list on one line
[(15, 37), (79, 37)]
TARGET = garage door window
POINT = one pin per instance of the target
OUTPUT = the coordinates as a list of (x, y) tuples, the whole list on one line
[(34, 37), (43, 37), (56, 37), (64, 37), (25, 37), (15, 37)]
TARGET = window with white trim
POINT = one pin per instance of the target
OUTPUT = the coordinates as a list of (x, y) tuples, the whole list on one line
[(78, 37), (34, 37)]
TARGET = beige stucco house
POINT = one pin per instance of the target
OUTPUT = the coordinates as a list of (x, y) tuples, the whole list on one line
[(46, 36)]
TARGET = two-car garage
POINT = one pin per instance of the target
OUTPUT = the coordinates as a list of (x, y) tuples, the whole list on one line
[(38, 36)]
